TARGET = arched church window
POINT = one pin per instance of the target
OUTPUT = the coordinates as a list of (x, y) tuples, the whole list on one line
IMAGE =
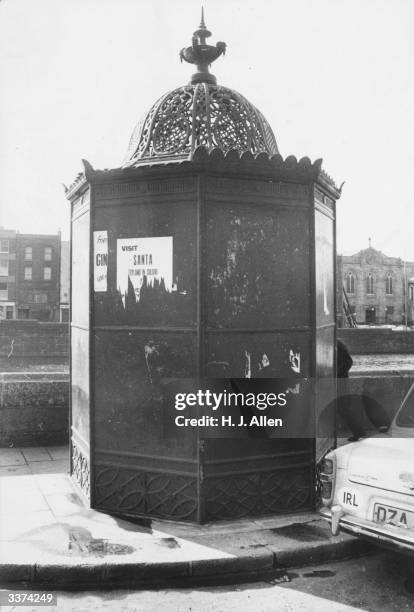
[(388, 285), (370, 283), (350, 283)]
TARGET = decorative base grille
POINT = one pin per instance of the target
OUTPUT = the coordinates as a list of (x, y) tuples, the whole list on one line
[(145, 493), (258, 494), (173, 496), (80, 470)]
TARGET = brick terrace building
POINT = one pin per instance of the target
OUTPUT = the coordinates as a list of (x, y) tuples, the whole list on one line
[(38, 276), (64, 281), (7, 274), (411, 300), (377, 287)]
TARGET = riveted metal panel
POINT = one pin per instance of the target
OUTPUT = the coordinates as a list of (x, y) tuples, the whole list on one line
[(131, 368), (141, 219), (252, 252)]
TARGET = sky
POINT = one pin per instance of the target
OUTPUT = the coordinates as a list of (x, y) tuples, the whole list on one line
[(334, 78)]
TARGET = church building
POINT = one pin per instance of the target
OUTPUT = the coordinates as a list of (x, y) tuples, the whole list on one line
[(379, 288)]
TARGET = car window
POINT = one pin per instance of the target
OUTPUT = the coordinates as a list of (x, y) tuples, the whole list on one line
[(405, 417)]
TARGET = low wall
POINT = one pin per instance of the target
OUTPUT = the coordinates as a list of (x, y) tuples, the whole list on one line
[(32, 341), (377, 341), (33, 412), (388, 391)]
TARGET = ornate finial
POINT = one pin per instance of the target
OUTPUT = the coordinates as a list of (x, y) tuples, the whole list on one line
[(369, 243), (202, 54), (202, 24)]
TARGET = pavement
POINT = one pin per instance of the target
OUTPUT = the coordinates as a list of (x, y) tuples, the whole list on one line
[(48, 537)]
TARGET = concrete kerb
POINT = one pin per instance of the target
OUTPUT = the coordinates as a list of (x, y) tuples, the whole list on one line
[(263, 562)]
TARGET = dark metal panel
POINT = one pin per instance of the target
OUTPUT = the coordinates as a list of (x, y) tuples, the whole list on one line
[(119, 192), (138, 468), (258, 191), (139, 347), (142, 220), (257, 266), (243, 456), (240, 354), (131, 372), (154, 462)]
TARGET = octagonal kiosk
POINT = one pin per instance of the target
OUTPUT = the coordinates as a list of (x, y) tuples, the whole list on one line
[(203, 255)]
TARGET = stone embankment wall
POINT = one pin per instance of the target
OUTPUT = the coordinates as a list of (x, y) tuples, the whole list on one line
[(386, 390), (33, 409), (34, 383), (377, 341), (30, 342), (384, 373)]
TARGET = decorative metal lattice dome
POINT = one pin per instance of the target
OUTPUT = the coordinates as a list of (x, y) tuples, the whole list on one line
[(199, 114)]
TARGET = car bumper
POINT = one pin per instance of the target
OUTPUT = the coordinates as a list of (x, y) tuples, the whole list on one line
[(396, 538)]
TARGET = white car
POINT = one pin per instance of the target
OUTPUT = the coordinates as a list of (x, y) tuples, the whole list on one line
[(368, 486)]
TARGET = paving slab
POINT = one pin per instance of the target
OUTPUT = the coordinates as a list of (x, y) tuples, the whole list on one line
[(13, 528), (11, 457), (57, 466), (36, 454), (49, 537), (14, 470), (21, 502), (58, 452), (52, 483)]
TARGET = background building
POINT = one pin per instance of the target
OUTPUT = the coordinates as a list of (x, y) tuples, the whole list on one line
[(34, 276), (38, 276), (64, 281), (7, 274), (410, 301), (377, 287)]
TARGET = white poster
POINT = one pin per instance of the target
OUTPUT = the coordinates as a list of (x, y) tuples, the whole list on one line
[(142, 260), (100, 261)]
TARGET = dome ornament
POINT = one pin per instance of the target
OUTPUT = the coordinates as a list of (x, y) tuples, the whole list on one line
[(201, 54)]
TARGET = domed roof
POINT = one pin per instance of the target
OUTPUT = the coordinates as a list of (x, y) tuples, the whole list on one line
[(199, 114)]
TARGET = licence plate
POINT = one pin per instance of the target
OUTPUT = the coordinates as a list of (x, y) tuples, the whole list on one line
[(393, 516)]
